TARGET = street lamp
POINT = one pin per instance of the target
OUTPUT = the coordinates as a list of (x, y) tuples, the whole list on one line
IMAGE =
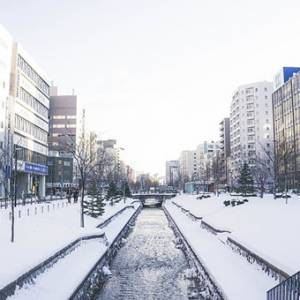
[(16, 149)]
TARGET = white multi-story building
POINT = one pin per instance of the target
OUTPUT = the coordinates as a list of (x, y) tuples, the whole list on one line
[(188, 165), (205, 153), (250, 124), (6, 44), (24, 102), (30, 91)]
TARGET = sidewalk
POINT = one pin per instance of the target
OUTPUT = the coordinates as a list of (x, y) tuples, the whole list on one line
[(39, 236), (51, 284)]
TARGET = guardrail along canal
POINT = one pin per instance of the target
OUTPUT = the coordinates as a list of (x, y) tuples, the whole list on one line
[(148, 266)]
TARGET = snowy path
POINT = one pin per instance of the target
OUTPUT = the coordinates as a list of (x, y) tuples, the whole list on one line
[(59, 281), (40, 236), (62, 278), (237, 278)]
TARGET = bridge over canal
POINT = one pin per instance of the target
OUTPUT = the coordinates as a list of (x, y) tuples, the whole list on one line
[(159, 197)]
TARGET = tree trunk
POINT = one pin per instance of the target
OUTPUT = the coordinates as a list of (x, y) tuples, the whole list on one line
[(81, 207), (261, 191)]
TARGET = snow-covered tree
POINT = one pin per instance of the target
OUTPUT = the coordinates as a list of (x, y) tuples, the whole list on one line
[(246, 183), (94, 205)]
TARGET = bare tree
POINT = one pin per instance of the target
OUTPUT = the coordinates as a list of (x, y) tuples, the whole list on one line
[(278, 160), (216, 170), (261, 173)]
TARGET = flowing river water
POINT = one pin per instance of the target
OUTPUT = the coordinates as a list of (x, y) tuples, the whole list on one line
[(148, 266)]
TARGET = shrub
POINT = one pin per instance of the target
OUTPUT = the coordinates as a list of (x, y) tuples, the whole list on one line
[(226, 202)]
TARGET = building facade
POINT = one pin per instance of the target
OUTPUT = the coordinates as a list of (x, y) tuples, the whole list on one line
[(61, 141), (188, 165), (251, 123), (172, 173), (6, 44), (224, 128), (30, 92), (286, 111)]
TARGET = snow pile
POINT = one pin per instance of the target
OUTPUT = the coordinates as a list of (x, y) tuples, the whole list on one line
[(238, 279), (38, 237), (51, 285), (106, 271), (266, 226)]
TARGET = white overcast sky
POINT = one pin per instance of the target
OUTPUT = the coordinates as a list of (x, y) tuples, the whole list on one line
[(158, 75)]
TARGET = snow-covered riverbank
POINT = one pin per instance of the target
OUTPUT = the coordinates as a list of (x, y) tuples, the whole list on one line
[(232, 273), (266, 226), (40, 236)]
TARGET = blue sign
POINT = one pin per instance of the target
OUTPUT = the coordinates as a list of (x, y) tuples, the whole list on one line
[(7, 171), (288, 72), (35, 168)]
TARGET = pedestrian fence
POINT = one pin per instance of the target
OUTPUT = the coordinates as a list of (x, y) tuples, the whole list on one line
[(6, 202), (288, 289), (40, 209)]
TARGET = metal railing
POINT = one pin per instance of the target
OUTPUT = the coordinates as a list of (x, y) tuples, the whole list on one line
[(288, 289)]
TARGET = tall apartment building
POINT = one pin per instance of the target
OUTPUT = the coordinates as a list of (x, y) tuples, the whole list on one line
[(224, 150), (251, 124), (286, 112), (172, 173), (188, 165), (62, 134), (205, 153), (6, 44)]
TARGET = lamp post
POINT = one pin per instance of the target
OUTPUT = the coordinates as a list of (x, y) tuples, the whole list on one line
[(16, 149), (14, 201)]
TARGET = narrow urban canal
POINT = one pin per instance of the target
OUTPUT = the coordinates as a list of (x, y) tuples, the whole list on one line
[(148, 266)]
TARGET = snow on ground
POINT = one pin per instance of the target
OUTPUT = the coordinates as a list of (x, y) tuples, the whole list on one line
[(266, 226), (73, 267), (39, 236), (51, 285), (237, 278)]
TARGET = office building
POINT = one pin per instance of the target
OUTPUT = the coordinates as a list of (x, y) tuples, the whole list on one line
[(286, 112)]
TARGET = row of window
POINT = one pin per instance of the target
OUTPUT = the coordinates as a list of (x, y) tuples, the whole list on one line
[(33, 103), (63, 126), (33, 75), (34, 157), (31, 129), (62, 117)]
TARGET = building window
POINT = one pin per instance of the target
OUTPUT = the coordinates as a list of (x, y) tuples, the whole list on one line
[(58, 117), (34, 76), (58, 125), (30, 129), (33, 103)]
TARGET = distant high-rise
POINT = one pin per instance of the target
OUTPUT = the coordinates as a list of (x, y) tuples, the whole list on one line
[(224, 150), (172, 173), (62, 140), (188, 165), (62, 120)]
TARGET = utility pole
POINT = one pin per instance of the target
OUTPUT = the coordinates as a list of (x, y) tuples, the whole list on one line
[(15, 174)]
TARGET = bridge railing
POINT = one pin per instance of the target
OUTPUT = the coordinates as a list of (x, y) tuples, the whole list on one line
[(288, 289)]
